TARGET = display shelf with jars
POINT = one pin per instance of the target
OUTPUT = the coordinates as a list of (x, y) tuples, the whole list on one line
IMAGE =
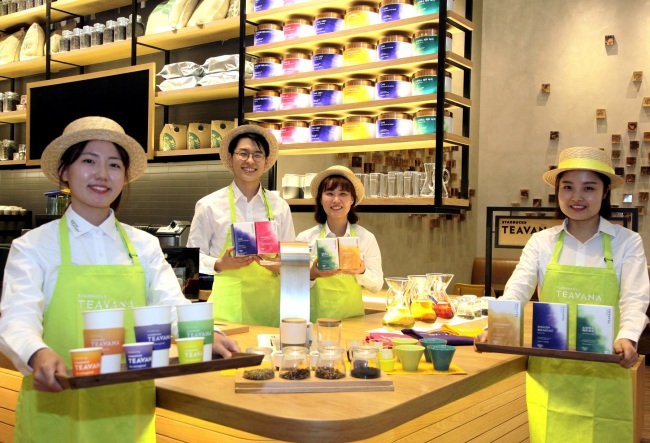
[(12, 117), (359, 70)]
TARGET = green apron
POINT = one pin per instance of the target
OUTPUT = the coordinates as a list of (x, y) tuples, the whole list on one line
[(571, 400), (338, 296), (249, 295), (121, 412)]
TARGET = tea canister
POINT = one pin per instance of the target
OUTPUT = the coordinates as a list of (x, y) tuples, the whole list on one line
[(325, 130), (293, 97), (293, 2), (361, 15), (266, 33), (330, 364), (266, 100), (423, 7), (395, 46), (394, 124), (359, 52), (424, 121), (295, 132), (327, 57), (329, 332), (326, 22), (393, 86), (263, 5), (365, 363), (296, 62), (265, 67), (326, 94), (425, 81), (358, 91), (359, 128), (425, 41), (273, 128), (391, 10), (297, 28), (295, 363)]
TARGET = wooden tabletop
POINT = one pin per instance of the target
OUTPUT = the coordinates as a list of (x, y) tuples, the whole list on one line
[(342, 416)]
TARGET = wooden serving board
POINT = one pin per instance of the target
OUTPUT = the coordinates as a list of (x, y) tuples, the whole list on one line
[(231, 328), (554, 353), (281, 386), (238, 360)]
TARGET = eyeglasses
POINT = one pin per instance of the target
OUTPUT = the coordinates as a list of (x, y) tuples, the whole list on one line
[(243, 155)]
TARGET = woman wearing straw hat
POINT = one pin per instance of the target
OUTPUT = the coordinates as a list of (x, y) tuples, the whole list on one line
[(86, 260), (245, 289), (586, 260), (337, 293)]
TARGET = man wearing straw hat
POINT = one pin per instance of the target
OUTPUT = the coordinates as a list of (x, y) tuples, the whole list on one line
[(246, 289), (586, 260)]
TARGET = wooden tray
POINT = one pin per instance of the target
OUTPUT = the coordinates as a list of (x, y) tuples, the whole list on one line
[(231, 328), (281, 386), (554, 353), (238, 360)]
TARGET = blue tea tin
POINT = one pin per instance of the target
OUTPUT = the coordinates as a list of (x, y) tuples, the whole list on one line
[(393, 86), (394, 124), (393, 47), (391, 10), (326, 94), (327, 22)]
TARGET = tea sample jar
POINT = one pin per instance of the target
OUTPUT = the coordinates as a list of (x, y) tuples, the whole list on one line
[(295, 132), (293, 97), (393, 86), (358, 91), (330, 364), (328, 331), (265, 67), (109, 31), (326, 22), (139, 26), (327, 57), (423, 7), (265, 370), (75, 39), (359, 52), (97, 36), (394, 124), (263, 5), (425, 81), (359, 128), (120, 29), (296, 62), (295, 363), (424, 121), (365, 363), (394, 46), (86, 37), (425, 41), (266, 100), (9, 101), (325, 130), (297, 28), (326, 94), (266, 33), (391, 10), (361, 15), (66, 36)]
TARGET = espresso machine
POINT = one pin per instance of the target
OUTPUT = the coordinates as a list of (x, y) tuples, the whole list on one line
[(173, 235)]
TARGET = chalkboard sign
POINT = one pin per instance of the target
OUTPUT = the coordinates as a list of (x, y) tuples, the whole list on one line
[(125, 95)]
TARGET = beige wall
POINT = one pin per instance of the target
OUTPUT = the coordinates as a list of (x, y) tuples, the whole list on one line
[(527, 43)]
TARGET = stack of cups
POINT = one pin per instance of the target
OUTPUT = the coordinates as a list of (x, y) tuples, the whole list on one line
[(105, 328), (153, 324), (195, 320)]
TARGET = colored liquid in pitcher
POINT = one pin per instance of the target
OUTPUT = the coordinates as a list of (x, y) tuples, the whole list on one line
[(423, 311), (444, 310)]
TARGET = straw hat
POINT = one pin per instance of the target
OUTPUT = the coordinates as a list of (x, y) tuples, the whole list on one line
[(93, 128), (226, 159), (590, 159), (342, 171)]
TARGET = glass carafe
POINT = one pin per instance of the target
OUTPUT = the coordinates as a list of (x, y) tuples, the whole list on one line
[(429, 186), (417, 292), (438, 285), (398, 315)]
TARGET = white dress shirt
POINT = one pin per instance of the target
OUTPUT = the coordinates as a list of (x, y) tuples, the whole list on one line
[(629, 262), (33, 267), (211, 222), (373, 278)]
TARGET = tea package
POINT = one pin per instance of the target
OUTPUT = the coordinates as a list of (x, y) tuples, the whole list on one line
[(243, 238), (550, 325), (505, 322), (349, 253), (595, 329), (266, 235), (327, 251)]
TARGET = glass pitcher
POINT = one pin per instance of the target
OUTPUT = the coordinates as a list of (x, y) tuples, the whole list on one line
[(398, 315), (417, 291), (429, 186), (438, 286)]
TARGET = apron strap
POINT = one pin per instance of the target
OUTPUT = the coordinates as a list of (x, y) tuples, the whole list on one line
[(607, 249), (233, 211), (353, 233)]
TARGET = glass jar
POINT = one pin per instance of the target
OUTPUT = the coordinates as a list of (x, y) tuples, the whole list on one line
[(97, 34), (86, 37), (75, 40), (139, 26), (9, 101), (66, 37), (13, 6), (8, 149), (30, 4), (4, 7), (20, 5), (120, 29), (328, 331), (109, 31), (330, 364), (295, 363), (265, 369), (365, 363), (1, 101)]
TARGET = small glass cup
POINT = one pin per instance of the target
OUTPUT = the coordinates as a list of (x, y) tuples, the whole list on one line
[(265, 370), (374, 185)]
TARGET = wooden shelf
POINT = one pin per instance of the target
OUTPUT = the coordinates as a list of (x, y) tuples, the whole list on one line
[(371, 145), (186, 152), (200, 94), (406, 66), (12, 162), (13, 117), (403, 104), (418, 201)]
